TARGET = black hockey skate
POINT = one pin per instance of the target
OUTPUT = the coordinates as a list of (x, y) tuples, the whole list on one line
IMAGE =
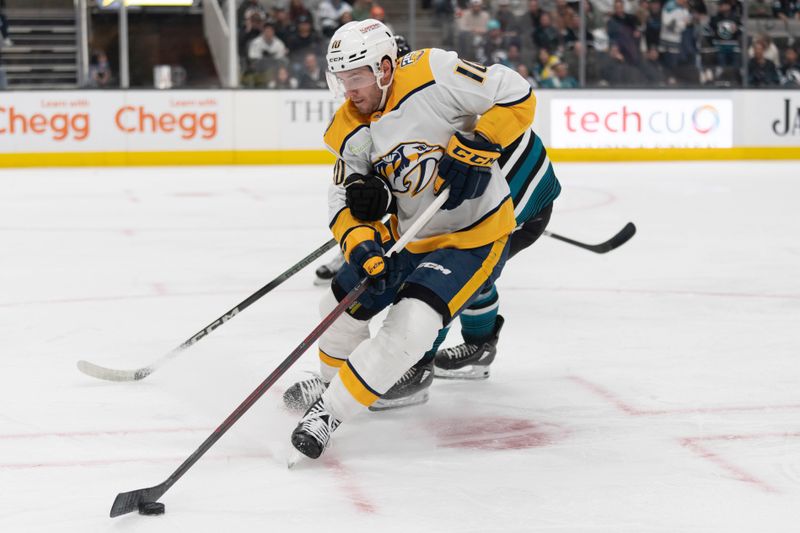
[(302, 394), (313, 432), (468, 361), (328, 271), (410, 389)]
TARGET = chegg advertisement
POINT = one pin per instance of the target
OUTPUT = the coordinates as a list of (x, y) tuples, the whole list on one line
[(641, 123), (115, 121)]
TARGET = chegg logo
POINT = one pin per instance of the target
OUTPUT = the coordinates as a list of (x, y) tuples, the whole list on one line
[(137, 119), (57, 126)]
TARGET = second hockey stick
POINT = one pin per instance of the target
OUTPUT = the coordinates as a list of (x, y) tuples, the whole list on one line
[(622, 236), (110, 374), (126, 502)]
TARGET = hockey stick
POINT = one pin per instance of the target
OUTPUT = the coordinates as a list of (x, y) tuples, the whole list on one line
[(110, 374), (622, 236), (126, 502)]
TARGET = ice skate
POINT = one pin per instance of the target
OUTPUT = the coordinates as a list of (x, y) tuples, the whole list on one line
[(313, 432), (467, 360), (302, 394), (326, 272), (410, 389)]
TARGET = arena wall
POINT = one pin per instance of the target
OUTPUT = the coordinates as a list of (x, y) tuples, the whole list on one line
[(149, 127)]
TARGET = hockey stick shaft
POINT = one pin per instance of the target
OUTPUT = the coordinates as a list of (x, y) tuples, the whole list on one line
[(110, 374), (126, 502), (622, 236)]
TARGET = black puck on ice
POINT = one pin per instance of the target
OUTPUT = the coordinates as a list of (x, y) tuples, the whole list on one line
[(151, 508)]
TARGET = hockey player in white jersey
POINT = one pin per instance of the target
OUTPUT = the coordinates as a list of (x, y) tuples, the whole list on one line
[(408, 128)]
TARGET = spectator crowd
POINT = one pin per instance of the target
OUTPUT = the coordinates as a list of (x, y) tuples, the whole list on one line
[(282, 46), (628, 43)]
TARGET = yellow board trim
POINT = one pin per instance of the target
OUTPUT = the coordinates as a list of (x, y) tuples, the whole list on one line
[(118, 159), (356, 389), (323, 157), (330, 361), (479, 278), (568, 155)]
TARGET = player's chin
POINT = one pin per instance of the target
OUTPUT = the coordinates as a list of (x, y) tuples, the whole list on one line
[(364, 107)]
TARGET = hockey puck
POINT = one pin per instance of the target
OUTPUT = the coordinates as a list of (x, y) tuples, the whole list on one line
[(151, 508)]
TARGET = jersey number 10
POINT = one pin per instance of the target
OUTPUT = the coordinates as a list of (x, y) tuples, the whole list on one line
[(473, 71)]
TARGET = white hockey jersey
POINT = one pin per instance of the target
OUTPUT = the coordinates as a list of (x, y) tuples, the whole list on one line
[(433, 95)]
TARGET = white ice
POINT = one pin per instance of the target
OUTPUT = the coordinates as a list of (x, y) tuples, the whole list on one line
[(652, 389)]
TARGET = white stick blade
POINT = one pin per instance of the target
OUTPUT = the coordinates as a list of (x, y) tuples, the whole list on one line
[(110, 374)]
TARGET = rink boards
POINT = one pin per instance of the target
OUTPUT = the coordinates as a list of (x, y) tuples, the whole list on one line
[(150, 127)]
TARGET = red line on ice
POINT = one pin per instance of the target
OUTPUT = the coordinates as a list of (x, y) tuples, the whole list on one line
[(106, 462), (89, 299), (635, 411), (160, 288), (737, 472), (100, 433), (345, 477), (657, 292), (693, 443)]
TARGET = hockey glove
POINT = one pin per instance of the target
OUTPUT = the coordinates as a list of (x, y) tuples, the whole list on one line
[(465, 168), (368, 197), (362, 249)]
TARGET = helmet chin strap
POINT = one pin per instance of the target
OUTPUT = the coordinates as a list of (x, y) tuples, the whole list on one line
[(384, 88)]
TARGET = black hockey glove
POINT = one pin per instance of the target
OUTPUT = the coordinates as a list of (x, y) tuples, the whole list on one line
[(465, 168), (367, 255), (368, 197)]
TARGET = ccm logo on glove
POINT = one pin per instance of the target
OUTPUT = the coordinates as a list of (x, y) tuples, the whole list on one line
[(465, 168)]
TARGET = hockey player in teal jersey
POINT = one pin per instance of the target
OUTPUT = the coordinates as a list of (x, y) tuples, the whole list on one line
[(534, 187)]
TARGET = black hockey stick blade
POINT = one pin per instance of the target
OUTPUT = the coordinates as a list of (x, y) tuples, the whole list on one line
[(127, 502), (622, 236)]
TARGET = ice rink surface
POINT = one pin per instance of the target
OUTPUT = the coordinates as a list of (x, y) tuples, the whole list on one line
[(652, 389)]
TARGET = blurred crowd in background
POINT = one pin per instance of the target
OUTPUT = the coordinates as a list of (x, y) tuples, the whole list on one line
[(632, 43), (629, 43), (626, 43)]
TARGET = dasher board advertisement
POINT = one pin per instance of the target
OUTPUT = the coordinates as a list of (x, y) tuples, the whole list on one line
[(95, 121), (641, 123)]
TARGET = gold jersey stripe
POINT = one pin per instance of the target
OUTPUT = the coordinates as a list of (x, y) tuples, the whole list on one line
[(409, 78), (499, 224), (479, 278), (503, 124), (331, 361), (355, 387), (346, 121)]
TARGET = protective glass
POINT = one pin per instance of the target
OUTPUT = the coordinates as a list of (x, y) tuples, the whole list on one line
[(350, 80)]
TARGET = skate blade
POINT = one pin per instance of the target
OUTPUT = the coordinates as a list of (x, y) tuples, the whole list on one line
[(408, 401), (294, 457), (469, 372)]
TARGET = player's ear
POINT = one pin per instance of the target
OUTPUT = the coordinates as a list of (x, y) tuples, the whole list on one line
[(386, 68)]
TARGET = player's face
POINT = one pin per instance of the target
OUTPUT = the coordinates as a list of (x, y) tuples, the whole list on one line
[(361, 87)]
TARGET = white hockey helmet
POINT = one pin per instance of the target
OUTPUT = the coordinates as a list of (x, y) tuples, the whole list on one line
[(358, 44)]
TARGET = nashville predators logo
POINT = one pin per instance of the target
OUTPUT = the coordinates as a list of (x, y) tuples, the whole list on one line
[(411, 58), (410, 166)]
